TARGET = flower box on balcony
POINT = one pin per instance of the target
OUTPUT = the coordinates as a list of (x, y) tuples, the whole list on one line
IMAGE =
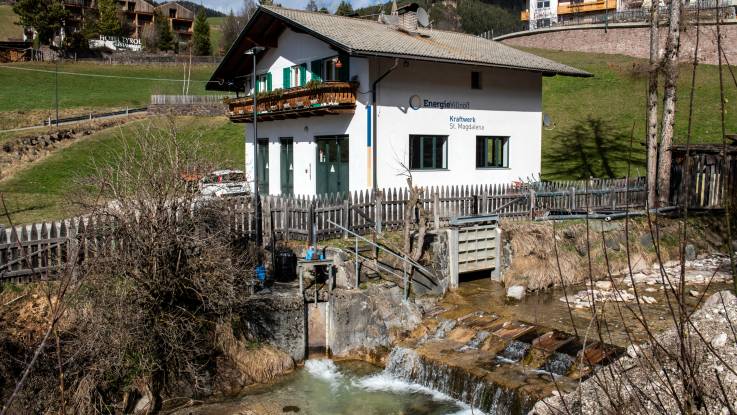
[(313, 99)]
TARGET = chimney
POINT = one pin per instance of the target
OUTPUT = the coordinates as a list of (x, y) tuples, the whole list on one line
[(408, 22)]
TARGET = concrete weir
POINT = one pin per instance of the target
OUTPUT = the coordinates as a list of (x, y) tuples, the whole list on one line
[(496, 364)]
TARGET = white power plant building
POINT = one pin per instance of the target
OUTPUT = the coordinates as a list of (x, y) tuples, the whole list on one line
[(347, 104)]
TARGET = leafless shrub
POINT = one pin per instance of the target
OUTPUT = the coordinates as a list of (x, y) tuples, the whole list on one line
[(161, 271)]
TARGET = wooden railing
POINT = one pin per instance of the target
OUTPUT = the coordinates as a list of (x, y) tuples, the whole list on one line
[(318, 99)]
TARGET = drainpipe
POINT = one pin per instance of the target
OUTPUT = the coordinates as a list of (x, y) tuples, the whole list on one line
[(374, 118)]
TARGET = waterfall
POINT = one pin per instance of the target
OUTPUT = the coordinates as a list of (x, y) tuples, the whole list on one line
[(558, 364), (456, 382), (444, 328), (515, 351), (475, 342)]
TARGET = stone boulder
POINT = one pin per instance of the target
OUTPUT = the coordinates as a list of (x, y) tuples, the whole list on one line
[(516, 292)]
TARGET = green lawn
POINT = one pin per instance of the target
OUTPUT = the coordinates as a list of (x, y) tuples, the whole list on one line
[(8, 28), (22, 90), (617, 93), (45, 190)]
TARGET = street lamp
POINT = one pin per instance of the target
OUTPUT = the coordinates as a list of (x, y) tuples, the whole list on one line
[(256, 198)]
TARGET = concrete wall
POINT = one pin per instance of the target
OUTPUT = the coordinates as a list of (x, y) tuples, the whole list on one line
[(278, 319), (626, 39)]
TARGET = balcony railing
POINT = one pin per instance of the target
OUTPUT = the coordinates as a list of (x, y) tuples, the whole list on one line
[(586, 6), (79, 3), (312, 100)]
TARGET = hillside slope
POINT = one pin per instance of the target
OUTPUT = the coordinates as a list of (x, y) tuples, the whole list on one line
[(616, 95), (8, 28), (45, 189)]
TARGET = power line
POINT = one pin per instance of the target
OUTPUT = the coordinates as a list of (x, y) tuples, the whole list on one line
[(17, 68)]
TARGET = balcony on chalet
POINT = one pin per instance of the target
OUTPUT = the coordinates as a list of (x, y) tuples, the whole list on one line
[(586, 6), (315, 99)]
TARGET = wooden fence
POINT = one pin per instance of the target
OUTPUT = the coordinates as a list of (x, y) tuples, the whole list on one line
[(49, 246), (705, 177)]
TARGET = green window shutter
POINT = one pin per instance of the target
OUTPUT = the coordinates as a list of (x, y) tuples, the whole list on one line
[(286, 72), (268, 81), (302, 74), (344, 73), (255, 88), (316, 70)]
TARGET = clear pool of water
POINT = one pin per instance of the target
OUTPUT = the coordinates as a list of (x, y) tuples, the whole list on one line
[(324, 387)]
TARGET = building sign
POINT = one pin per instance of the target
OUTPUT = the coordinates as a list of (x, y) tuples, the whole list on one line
[(415, 102), (459, 122), (117, 43)]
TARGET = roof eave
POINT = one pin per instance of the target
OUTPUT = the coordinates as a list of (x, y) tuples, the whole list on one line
[(368, 54)]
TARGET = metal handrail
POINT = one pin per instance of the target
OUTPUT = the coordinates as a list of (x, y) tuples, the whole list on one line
[(404, 259)]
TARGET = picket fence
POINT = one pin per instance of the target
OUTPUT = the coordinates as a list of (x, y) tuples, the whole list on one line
[(40, 250)]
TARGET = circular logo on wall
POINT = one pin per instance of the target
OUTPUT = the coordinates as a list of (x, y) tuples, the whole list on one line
[(415, 102)]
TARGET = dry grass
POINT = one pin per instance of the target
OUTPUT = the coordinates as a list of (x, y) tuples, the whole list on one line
[(260, 364), (533, 259)]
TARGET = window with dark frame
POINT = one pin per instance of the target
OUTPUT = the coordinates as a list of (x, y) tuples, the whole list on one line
[(492, 152), (475, 80), (329, 71), (428, 152)]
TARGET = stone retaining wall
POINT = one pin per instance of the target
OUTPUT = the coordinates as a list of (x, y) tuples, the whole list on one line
[(626, 39), (202, 110)]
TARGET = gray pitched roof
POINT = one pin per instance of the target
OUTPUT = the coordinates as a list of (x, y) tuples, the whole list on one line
[(361, 37)]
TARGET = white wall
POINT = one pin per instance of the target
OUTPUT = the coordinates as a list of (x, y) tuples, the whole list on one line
[(293, 49), (509, 104)]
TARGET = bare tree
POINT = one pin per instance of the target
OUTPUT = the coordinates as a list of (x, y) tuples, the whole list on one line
[(652, 108), (670, 72)]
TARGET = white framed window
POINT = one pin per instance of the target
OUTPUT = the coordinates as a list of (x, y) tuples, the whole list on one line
[(262, 83), (294, 76)]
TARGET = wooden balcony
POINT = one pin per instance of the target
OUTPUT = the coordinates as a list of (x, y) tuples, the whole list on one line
[(323, 98), (586, 6)]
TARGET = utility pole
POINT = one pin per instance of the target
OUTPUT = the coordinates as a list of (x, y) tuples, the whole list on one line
[(256, 197), (56, 89)]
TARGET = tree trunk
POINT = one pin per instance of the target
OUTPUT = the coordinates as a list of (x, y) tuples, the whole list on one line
[(670, 62), (652, 110)]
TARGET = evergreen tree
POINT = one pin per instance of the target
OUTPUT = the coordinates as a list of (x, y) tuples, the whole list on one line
[(166, 38), (201, 35), (45, 16), (108, 23), (311, 6), (344, 8)]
